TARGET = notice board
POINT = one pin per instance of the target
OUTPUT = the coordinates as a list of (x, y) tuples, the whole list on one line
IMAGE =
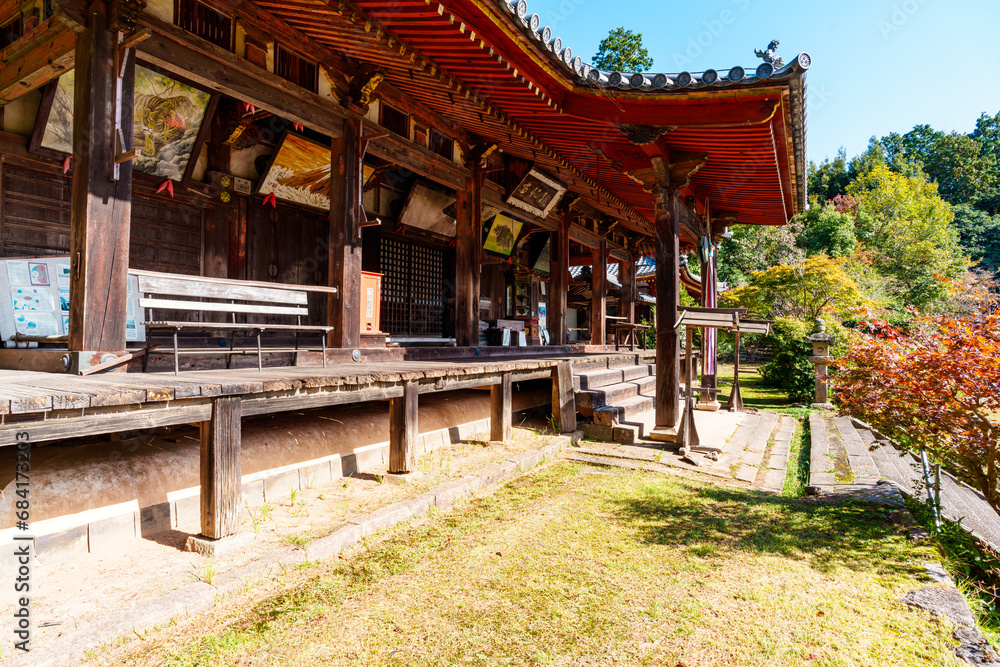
[(34, 299)]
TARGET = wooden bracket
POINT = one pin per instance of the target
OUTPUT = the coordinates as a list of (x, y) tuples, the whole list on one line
[(124, 44), (366, 139), (363, 141)]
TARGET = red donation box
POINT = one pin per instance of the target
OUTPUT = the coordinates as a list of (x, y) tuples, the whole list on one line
[(371, 301)]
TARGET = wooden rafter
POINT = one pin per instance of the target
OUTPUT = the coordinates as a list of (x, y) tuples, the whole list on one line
[(36, 58)]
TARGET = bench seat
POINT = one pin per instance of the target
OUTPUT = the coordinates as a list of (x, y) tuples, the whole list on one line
[(237, 326), (174, 292)]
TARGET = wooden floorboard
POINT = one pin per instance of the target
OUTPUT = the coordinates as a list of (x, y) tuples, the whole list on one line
[(55, 406)]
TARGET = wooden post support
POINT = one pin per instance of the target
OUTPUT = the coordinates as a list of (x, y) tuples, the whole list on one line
[(688, 436), (220, 469), (403, 430), (468, 260), (735, 397), (668, 347), (599, 287), (563, 397), (626, 275), (344, 307), (560, 281), (709, 339), (101, 208), (501, 416)]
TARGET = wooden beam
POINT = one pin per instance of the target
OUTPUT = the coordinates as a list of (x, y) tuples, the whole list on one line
[(344, 308), (468, 260), (559, 280), (668, 347), (667, 111), (403, 430), (564, 397), (36, 58), (217, 69), (101, 208), (598, 300), (501, 417), (221, 472)]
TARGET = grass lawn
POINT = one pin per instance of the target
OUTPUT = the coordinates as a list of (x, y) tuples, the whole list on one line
[(579, 566)]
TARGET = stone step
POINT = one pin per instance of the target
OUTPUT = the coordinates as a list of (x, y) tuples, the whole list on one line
[(626, 410), (958, 500), (756, 444), (886, 459), (647, 454), (613, 394), (863, 469), (624, 433), (821, 468), (603, 377)]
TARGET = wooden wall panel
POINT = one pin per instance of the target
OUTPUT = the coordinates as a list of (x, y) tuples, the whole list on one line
[(288, 245), (166, 235), (35, 220), (36, 212)]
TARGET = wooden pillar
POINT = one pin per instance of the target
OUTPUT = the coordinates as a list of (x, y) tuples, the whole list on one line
[(403, 430), (626, 274), (501, 417), (101, 207), (560, 281), (468, 260), (709, 336), (563, 397), (668, 348), (735, 397), (599, 287), (221, 474), (344, 308)]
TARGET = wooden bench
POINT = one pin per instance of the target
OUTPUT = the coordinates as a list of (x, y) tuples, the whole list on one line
[(167, 291), (626, 332)]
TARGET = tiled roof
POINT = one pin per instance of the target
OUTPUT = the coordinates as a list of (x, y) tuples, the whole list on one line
[(653, 81)]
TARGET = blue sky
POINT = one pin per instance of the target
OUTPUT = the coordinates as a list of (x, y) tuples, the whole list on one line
[(878, 65)]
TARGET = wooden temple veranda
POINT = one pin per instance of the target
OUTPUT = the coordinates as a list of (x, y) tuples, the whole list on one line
[(394, 193)]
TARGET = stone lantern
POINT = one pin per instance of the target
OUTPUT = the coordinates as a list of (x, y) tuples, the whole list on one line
[(821, 340)]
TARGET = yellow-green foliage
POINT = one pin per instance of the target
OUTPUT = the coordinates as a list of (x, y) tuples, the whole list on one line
[(907, 226), (819, 286)]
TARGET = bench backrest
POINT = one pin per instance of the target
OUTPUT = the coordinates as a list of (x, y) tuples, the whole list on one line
[(194, 293)]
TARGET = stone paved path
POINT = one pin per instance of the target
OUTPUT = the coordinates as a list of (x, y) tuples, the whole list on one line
[(871, 459)]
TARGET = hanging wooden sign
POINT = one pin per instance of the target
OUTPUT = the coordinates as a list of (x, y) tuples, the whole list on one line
[(537, 193)]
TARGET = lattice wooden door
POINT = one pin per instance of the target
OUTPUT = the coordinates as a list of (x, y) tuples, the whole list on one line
[(412, 289)]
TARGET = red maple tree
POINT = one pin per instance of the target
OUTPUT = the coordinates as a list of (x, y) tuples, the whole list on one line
[(936, 386)]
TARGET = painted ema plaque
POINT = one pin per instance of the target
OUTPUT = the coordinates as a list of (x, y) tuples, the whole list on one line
[(537, 193)]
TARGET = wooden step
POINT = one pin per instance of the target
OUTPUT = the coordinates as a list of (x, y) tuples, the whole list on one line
[(626, 410), (614, 394)]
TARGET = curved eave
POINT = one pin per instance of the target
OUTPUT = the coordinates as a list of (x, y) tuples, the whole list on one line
[(573, 80)]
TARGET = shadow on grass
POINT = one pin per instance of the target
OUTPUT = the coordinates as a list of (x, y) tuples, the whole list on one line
[(851, 533)]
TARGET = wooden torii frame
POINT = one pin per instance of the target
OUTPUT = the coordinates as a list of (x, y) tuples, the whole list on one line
[(746, 326), (710, 318)]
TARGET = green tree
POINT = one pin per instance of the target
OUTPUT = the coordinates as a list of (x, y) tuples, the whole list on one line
[(979, 235), (754, 248), (830, 178), (622, 51), (987, 133), (907, 226), (957, 163), (827, 230)]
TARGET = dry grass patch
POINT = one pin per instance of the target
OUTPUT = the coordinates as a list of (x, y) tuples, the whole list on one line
[(573, 566)]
